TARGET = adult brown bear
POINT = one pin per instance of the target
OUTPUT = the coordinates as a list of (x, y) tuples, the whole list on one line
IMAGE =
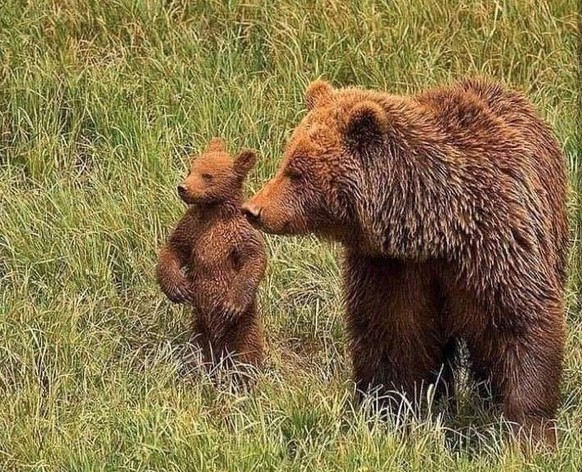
[(450, 205)]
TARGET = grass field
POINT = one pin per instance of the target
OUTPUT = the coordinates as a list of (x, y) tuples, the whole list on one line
[(100, 102)]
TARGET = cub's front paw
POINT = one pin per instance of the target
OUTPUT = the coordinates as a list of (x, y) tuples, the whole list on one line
[(234, 304), (178, 293)]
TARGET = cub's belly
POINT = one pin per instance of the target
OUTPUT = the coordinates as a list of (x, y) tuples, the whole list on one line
[(210, 281), (210, 286)]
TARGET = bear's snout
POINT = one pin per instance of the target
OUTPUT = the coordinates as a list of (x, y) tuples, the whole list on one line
[(182, 191), (252, 212)]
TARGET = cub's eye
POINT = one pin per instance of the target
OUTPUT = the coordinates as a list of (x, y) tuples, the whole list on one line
[(207, 177)]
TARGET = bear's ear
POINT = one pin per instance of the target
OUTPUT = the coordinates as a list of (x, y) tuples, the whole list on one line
[(245, 161), (216, 145), (366, 124), (318, 93)]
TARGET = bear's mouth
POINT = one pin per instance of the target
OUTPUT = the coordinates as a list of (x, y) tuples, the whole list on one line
[(201, 199), (282, 230), (279, 230), (189, 200)]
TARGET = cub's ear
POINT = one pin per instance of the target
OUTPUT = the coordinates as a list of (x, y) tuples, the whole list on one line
[(318, 93), (366, 124), (216, 145), (245, 161)]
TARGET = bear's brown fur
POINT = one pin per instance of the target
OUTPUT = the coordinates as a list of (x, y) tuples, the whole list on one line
[(451, 207), (215, 260)]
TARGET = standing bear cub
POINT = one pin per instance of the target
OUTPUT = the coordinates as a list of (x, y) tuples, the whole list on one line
[(450, 205), (215, 260)]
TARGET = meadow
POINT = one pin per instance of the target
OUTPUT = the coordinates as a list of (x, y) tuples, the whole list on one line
[(101, 103)]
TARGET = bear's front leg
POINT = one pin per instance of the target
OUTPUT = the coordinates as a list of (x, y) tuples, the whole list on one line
[(250, 263), (392, 319), (173, 257), (170, 276)]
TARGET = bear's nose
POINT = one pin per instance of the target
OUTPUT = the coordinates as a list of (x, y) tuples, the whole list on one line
[(252, 212), (182, 190)]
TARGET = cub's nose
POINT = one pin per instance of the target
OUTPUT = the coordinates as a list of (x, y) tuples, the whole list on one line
[(182, 190), (252, 212)]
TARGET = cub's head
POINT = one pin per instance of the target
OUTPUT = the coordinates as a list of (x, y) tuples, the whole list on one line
[(214, 176), (320, 175)]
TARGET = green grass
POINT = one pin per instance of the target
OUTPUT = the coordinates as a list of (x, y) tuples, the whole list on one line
[(99, 103)]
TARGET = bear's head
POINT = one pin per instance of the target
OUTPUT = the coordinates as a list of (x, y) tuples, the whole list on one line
[(321, 172), (214, 176)]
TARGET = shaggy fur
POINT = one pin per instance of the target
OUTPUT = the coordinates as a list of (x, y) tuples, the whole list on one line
[(451, 207), (215, 260)]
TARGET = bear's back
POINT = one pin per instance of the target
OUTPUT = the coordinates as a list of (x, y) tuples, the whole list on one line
[(546, 156), (484, 117)]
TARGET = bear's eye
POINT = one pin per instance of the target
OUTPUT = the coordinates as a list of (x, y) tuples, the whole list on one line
[(207, 177)]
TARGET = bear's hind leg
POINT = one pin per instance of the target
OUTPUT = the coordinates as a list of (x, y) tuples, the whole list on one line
[(445, 380), (524, 371), (247, 341)]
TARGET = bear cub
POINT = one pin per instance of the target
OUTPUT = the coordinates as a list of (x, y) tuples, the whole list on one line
[(214, 259)]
